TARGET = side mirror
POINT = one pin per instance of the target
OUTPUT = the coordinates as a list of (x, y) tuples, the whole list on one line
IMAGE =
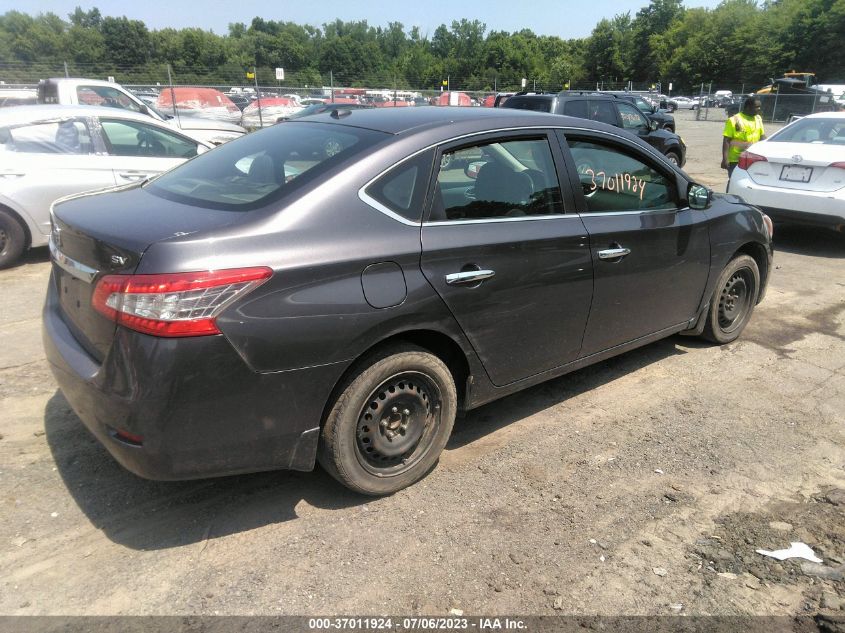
[(698, 196), (653, 126)]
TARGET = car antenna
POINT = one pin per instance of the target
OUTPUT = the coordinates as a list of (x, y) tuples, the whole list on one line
[(336, 114)]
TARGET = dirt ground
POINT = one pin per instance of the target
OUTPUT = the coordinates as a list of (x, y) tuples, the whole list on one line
[(642, 485)]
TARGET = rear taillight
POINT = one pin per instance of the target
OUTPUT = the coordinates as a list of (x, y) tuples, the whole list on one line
[(746, 159), (770, 227), (176, 304), (840, 165)]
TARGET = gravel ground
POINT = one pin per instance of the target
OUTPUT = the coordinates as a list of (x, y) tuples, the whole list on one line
[(641, 485)]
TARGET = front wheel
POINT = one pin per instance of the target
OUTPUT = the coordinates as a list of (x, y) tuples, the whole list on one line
[(673, 158), (733, 300), (390, 422)]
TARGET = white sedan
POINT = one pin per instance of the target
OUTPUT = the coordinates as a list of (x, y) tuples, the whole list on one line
[(799, 173), (51, 151), (684, 103)]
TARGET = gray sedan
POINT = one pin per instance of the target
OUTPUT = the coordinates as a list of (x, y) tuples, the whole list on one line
[(237, 315)]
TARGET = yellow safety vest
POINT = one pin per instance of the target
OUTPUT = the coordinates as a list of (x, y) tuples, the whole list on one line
[(742, 130)]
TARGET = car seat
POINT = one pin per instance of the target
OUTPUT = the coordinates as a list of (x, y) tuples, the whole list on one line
[(262, 170), (503, 187), (67, 138)]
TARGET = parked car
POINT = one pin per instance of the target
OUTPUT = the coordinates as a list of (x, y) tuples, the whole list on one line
[(241, 100), (72, 91), (16, 97), (47, 152), (682, 103), (272, 111), (607, 109), (202, 103), (223, 319), (798, 174), (651, 111)]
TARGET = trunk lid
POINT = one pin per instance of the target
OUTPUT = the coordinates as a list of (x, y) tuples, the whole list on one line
[(798, 166), (97, 235)]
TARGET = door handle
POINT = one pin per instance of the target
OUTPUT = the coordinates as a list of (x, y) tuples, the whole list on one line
[(133, 175), (9, 172), (468, 277), (614, 253)]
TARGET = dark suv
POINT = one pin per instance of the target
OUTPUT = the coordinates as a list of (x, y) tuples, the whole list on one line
[(606, 109), (664, 120)]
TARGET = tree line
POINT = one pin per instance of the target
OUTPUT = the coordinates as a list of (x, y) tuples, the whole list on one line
[(739, 41)]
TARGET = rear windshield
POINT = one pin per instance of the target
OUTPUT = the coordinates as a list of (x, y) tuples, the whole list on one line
[(541, 104), (817, 131), (261, 167)]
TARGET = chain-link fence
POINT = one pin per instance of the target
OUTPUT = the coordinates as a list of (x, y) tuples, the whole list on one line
[(712, 101)]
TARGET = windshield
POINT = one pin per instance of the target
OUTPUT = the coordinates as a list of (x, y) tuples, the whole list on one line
[(822, 131), (259, 168)]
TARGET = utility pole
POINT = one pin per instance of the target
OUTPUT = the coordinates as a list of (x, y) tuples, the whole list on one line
[(257, 96), (173, 96)]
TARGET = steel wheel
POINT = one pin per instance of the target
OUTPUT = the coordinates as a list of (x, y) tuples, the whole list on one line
[(733, 300), (391, 419), (395, 426)]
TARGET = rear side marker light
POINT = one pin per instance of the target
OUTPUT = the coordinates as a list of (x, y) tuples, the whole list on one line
[(174, 304), (746, 159), (840, 165)]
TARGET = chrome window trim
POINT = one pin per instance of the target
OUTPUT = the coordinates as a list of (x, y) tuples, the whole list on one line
[(70, 265), (635, 212), (527, 218), (381, 208)]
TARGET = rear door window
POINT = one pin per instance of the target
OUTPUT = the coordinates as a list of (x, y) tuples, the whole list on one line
[(48, 137), (603, 111), (511, 178), (576, 108)]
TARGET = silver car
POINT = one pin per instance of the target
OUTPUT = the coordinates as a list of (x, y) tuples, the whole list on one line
[(47, 152)]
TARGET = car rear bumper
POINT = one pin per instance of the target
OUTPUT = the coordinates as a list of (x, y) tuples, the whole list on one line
[(812, 207), (199, 409)]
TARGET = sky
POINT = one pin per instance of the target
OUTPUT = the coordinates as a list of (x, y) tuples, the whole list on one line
[(564, 18)]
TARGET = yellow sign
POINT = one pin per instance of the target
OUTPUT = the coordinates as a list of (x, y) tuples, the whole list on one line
[(445, 83), (566, 86), (250, 75)]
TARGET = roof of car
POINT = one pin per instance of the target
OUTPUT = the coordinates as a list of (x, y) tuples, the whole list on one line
[(30, 113), (402, 120), (825, 115)]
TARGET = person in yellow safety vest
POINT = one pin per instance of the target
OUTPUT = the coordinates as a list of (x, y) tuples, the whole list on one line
[(741, 131)]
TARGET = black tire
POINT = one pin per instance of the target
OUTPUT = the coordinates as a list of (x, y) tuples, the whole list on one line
[(673, 158), (733, 300), (694, 108), (12, 239), (390, 421)]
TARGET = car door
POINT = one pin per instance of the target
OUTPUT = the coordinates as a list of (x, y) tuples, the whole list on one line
[(141, 150), (46, 160), (504, 250), (651, 252)]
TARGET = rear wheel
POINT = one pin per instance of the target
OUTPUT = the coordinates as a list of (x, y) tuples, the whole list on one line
[(12, 239), (733, 300), (390, 422)]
